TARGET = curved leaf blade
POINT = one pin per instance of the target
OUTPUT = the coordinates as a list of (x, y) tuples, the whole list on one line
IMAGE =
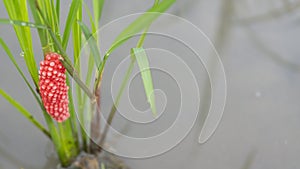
[(91, 42), (24, 112), (141, 57)]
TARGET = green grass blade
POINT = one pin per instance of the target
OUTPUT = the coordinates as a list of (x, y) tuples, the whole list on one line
[(54, 20), (69, 22), (141, 57), (77, 45), (24, 112), (42, 32), (89, 14), (91, 42), (66, 61), (142, 22), (49, 121), (97, 8), (91, 61), (53, 132), (135, 27), (22, 23), (76, 36), (57, 8), (117, 101), (49, 13), (17, 10), (11, 57)]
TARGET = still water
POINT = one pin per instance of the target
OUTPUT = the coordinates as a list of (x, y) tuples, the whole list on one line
[(258, 43)]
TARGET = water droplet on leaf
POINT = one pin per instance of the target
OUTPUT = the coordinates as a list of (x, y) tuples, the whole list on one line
[(22, 54)]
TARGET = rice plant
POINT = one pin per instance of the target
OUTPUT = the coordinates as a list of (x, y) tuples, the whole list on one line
[(52, 78)]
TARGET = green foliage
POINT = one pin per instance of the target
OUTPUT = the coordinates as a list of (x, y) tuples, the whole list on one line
[(46, 15), (91, 42), (97, 8), (24, 112), (53, 132), (17, 10), (12, 59), (141, 22), (75, 6), (141, 57), (135, 27)]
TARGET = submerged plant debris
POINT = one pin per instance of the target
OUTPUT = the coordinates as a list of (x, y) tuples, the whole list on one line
[(103, 160)]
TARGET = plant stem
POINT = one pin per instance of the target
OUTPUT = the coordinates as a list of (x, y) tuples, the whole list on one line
[(66, 62), (115, 105), (25, 113), (66, 144), (124, 82), (140, 24)]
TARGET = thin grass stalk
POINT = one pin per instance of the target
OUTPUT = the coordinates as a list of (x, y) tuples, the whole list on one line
[(25, 113), (14, 9), (116, 103), (57, 8), (66, 61), (68, 146), (77, 45), (52, 128), (52, 133), (136, 26), (41, 32), (95, 125), (24, 37), (94, 128), (68, 130), (124, 82)]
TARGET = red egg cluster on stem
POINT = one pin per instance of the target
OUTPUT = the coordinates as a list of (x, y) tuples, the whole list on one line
[(53, 87)]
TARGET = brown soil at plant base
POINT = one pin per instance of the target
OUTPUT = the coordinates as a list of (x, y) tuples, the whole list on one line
[(101, 161)]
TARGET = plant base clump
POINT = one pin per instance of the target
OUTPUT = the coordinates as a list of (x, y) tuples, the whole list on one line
[(103, 160)]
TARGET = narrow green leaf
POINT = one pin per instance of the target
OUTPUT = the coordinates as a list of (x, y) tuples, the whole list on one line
[(17, 10), (69, 22), (48, 119), (42, 32), (57, 6), (22, 23), (24, 112), (11, 57), (76, 37), (135, 27), (97, 8), (117, 101), (89, 14), (66, 61), (141, 57), (142, 22), (91, 42), (54, 19), (48, 10)]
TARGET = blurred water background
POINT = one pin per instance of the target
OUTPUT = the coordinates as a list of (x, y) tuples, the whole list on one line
[(258, 42)]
